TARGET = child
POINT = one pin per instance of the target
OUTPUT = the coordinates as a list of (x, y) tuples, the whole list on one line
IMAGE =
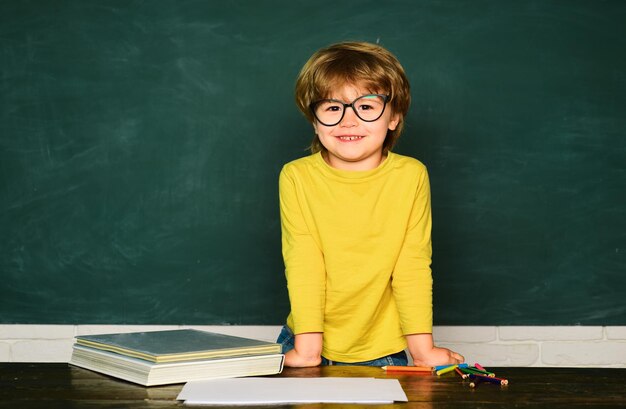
[(356, 220)]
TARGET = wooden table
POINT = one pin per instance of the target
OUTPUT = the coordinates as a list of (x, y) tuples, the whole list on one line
[(55, 385)]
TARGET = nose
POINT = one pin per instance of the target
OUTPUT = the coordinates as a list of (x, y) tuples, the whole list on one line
[(349, 117)]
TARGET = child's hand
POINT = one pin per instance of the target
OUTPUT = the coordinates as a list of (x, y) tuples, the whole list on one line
[(425, 353), (294, 359), (437, 356), (307, 351)]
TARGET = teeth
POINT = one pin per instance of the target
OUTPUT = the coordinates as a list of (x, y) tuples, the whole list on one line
[(349, 138)]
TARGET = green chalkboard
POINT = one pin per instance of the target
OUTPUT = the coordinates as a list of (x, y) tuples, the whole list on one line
[(140, 146)]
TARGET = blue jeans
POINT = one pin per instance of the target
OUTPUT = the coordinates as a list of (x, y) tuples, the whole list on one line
[(286, 338)]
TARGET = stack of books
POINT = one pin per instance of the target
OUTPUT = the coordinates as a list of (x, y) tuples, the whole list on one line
[(175, 356)]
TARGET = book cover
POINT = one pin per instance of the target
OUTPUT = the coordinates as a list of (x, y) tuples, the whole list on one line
[(178, 345), (148, 373)]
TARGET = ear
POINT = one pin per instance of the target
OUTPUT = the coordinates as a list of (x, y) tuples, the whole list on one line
[(394, 121)]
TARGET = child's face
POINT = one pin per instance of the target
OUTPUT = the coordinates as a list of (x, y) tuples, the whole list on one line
[(354, 144)]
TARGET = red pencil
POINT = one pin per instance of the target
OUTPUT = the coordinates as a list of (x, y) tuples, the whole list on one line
[(463, 375)]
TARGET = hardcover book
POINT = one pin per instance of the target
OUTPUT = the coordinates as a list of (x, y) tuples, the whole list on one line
[(176, 356), (149, 373), (178, 345)]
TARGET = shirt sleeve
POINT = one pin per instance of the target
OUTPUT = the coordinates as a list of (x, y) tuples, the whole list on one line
[(303, 258), (412, 277)]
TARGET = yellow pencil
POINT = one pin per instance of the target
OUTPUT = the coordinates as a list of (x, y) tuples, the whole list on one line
[(446, 370)]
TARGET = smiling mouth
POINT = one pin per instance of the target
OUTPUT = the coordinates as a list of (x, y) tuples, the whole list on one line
[(350, 138)]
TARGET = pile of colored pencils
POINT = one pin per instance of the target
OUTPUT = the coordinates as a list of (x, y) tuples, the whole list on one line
[(476, 374)]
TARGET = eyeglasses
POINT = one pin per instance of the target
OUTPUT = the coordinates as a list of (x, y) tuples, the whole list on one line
[(370, 107)]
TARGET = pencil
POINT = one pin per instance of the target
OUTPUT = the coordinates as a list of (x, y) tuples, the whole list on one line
[(463, 365), (476, 371), (391, 368), (446, 370), (491, 379), (463, 375), (480, 368)]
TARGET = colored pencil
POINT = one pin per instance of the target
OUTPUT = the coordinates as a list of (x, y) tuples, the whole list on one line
[(463, 365), (391, 368), (491, 379), (446, 370), (476, 371), (480, 368), (463, 375)]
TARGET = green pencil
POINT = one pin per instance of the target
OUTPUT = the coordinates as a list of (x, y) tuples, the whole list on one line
[(477, 372)]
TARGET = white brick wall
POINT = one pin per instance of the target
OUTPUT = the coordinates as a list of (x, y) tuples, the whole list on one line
[(618, 333), (574, 346), (5, 352), (569, 346)]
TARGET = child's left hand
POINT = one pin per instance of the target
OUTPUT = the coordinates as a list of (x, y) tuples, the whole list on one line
[(425, 353), (438, 356)]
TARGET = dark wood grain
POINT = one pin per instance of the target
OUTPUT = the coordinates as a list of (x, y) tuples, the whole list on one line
[(56, 385)]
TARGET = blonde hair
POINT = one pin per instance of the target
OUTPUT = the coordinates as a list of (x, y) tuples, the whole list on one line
[(359, 64)]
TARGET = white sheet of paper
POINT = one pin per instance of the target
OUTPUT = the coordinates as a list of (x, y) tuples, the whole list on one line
[(255, 391)]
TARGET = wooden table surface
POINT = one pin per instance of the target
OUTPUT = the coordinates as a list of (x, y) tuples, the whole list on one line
[(57, 385)]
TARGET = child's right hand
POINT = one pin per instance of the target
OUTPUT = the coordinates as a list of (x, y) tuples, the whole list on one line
[(294, 359), (307, 351)]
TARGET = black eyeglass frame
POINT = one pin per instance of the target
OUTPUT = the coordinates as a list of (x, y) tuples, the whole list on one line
[(350, 105)]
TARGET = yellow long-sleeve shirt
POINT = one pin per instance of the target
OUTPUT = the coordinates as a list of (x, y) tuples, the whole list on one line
[(357, 253)]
